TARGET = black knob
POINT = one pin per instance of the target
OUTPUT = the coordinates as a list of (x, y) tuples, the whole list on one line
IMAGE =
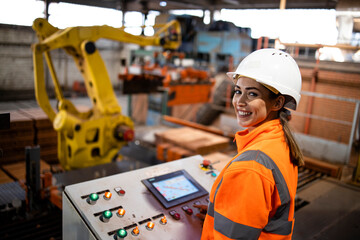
[(90, 47)]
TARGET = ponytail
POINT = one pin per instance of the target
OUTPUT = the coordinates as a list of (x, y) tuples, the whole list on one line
[(296, 155)]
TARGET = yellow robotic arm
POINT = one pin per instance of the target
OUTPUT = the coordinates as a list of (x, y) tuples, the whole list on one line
[(94, 137)]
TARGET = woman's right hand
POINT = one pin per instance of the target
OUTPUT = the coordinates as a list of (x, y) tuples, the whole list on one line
[(202, 211)]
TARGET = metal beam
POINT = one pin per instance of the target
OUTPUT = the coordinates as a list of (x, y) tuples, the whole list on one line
[(135, 5)]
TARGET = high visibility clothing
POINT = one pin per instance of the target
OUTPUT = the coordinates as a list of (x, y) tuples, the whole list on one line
[(254, 195)]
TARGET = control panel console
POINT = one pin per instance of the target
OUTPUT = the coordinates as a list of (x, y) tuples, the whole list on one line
[(155, 202)]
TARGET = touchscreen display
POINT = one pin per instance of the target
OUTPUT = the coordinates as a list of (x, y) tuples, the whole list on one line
[(174, 188)]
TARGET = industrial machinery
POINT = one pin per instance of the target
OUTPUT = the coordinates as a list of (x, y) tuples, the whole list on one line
[(94, 137), (157, 203), (183, 85)]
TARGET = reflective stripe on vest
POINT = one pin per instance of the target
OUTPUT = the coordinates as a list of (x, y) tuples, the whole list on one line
[(278, 224)]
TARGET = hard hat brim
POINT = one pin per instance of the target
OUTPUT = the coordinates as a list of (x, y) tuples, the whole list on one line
[(291, 102)]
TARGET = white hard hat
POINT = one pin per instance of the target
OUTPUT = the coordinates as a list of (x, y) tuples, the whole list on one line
[(276, 70)]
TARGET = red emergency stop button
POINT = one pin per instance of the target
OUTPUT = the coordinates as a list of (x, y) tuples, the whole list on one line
[(175, 215), (206, 163)]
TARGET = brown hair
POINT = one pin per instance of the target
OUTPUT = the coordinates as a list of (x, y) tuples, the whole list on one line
[(296, 155)]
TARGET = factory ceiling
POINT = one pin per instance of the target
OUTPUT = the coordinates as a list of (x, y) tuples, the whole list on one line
[(146, 5)]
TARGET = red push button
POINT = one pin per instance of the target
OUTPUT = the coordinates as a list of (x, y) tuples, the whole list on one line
[(175, 215), (189, 211), (119, 191), (206, 163)]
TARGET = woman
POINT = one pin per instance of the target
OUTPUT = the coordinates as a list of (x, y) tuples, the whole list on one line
[(253, 197)]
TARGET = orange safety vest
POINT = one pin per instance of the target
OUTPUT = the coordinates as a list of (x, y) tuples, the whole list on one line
[(254, 195)]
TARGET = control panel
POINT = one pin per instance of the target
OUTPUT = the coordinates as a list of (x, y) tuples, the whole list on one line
[(155, 202)]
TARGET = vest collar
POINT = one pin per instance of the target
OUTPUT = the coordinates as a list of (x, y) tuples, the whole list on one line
[(245, 138)]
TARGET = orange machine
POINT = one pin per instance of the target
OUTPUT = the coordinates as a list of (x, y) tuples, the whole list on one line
[(194, 86), (184, 85)]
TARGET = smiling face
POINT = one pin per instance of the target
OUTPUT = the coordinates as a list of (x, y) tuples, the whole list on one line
[(254, 103)]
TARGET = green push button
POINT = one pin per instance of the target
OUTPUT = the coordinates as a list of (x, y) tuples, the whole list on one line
[(107, 214), (94, 197), (121, 233)]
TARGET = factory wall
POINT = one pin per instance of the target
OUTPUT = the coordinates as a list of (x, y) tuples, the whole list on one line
[(16, 68), (332, 119)]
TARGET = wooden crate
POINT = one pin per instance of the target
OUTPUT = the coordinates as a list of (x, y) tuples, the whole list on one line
[(18, 170), (49, 154), (330, 169), (15, 144), (194, 140), (161, 151), (51, 141), (16, 135), (19, 121), (14, 140), (39, 116), (4, 178), (175, 153), (46, 136)]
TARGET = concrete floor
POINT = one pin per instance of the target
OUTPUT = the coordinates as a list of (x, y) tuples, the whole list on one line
[(333, 212)]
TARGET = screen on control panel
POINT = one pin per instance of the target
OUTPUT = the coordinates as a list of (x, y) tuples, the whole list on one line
[(174, 188)]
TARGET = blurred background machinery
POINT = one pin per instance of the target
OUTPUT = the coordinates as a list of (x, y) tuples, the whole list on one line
[(160, 103)]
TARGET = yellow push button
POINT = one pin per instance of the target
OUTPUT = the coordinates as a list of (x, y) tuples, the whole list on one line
[(107, 195), (163, 220), (121, 212), (135, 231), (150, 226)]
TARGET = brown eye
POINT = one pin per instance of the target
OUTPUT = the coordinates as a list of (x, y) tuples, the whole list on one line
[(253, 94)]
